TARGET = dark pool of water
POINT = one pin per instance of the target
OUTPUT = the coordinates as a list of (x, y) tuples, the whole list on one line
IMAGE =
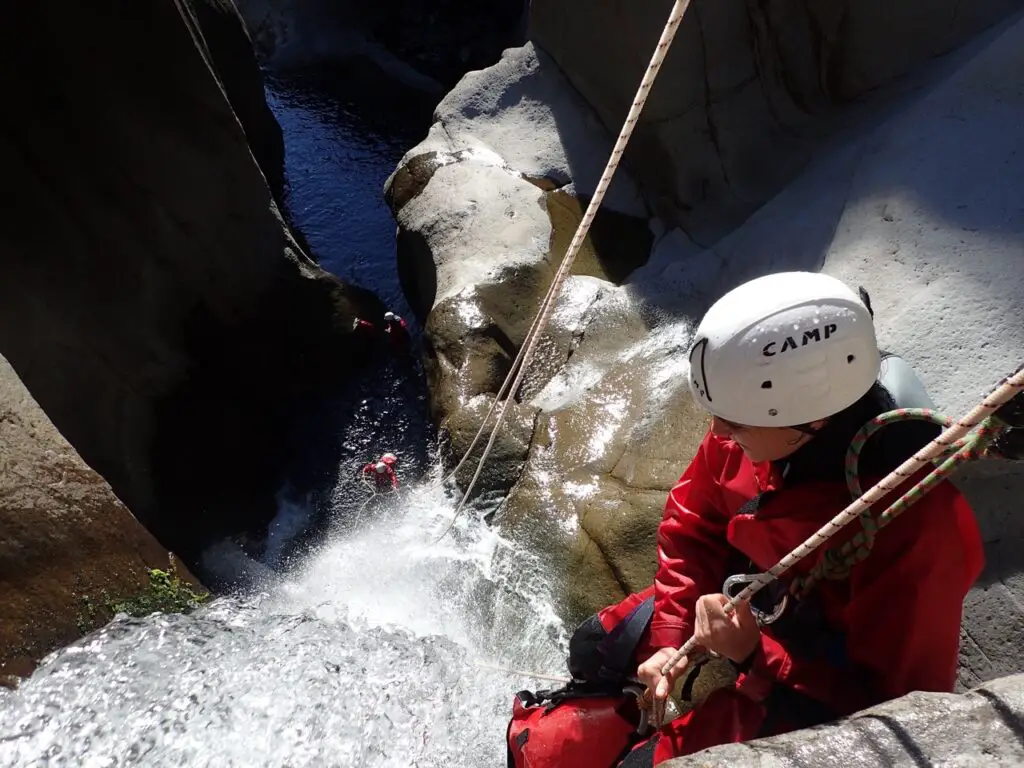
[(345, 127)]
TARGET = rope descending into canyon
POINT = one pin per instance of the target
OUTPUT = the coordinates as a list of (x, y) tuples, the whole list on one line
[(949, 442), (512, 382)]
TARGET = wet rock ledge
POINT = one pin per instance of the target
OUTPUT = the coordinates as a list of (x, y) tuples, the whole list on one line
[(153, 301)]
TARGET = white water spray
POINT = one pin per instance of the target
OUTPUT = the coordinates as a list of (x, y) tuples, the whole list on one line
[(364, 658)]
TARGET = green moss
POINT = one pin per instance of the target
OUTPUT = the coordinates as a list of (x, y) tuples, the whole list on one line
[(92, 613), (167, 594)]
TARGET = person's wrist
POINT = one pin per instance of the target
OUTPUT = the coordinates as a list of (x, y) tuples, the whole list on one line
[(743, 665)]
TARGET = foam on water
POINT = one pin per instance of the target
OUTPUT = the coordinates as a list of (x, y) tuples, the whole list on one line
[(365, 657)]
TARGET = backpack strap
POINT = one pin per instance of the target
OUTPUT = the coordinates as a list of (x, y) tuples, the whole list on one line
[(618, 649)]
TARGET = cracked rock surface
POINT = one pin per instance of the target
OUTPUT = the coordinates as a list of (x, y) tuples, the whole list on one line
[(909, 193), (984, 728), (747, 90)]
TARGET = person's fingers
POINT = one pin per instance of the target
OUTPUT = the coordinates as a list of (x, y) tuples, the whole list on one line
[(745, 618), (647, 675), (700, 624)]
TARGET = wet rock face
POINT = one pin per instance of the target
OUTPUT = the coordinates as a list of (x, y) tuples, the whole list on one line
[(151, 297), (602, 462), (747, 89), (70, 549), (982, 727), (486, 207)]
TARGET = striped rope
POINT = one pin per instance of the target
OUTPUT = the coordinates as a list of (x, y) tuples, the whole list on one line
[(512, 382), (837, 563)]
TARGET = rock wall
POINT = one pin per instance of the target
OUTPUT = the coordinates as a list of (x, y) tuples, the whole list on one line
[(747, 90), (984, 727), (230, 50), (70, 549), (426, 44), (151, 298), (912, 193)]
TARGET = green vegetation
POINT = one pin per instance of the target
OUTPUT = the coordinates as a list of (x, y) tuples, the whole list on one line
[(167, 593)]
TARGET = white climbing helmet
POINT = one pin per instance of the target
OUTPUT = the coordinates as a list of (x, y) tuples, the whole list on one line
[(381, 467), (784, 350), (389, 315), (389, 458)]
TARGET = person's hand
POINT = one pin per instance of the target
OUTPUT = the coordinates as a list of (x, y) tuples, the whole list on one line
[(658, 685), (734, 636)]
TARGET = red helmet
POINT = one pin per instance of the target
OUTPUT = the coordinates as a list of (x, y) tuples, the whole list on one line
[(389, 459)]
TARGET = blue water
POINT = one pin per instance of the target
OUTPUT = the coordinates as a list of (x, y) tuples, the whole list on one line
[(346, 126)]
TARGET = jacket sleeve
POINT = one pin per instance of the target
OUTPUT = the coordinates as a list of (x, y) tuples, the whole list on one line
[(692, 548), (904, 613)]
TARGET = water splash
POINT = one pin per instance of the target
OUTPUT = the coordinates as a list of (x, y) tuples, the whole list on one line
[(365, 657)]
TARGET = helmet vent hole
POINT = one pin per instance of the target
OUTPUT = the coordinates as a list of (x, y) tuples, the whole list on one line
[(766, 385), (850, 358)]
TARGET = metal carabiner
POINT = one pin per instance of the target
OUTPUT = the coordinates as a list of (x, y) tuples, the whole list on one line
[(643, 705), (743, 580), (649, 718)]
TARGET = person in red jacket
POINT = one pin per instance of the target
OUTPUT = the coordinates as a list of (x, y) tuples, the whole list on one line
[(381, 473), (788, 367), (397, 331)]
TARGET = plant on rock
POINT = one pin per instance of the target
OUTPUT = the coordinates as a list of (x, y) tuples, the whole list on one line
[(167, 593)]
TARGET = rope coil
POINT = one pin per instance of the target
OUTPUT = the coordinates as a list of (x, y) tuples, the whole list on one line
[(837, 563)]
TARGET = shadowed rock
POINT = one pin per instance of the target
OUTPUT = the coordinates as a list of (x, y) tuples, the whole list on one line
[(70, 550), (151, 297)]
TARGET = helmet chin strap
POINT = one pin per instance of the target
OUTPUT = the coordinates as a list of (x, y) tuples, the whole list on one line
[(808, 429)]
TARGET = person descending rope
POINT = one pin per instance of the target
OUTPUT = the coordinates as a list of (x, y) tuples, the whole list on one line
[(789, 369), (397, 331), (381, 474)]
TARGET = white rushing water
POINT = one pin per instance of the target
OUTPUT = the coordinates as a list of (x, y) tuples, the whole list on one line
[(366, 655)]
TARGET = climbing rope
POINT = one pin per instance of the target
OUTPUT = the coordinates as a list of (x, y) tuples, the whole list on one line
[(951, 440), (516, 373), (508, 671), (837, 563)]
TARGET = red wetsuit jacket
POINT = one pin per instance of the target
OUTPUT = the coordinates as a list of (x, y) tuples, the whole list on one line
[(895, 618), (897, 615), (382, 480), (397, 331)]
